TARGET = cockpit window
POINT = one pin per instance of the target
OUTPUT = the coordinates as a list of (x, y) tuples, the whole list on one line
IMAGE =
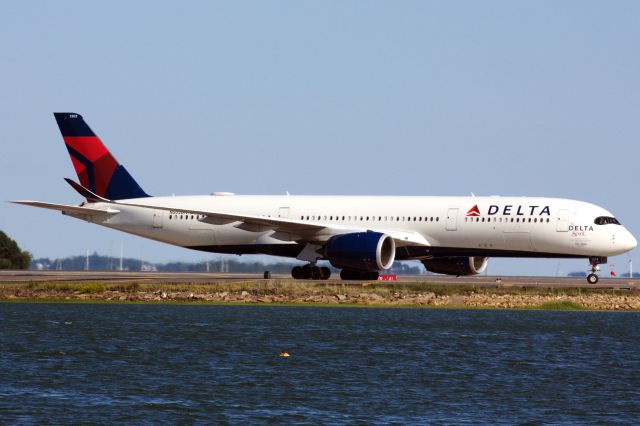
[(606, 220)]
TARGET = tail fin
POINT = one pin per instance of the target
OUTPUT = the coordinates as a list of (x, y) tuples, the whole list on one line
[(97, 169)]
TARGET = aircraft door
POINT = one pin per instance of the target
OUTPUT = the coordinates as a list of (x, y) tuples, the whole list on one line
[(283, 212), (157, 218), (562, 224), (452, 220)]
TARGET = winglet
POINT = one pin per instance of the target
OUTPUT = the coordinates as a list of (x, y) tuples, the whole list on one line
[(90, 196)]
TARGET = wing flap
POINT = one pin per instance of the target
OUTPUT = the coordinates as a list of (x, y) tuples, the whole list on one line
[(222, 218), (316, 232)]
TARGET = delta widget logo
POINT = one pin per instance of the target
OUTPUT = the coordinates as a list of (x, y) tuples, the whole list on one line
[(474, 211)]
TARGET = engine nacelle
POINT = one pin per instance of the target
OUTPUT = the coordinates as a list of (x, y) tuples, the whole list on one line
[(361, 251), (456, 265)]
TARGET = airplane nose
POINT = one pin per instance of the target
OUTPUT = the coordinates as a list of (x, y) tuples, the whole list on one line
[(628, 241)]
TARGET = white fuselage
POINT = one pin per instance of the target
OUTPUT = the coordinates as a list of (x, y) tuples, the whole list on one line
[(499, 226)]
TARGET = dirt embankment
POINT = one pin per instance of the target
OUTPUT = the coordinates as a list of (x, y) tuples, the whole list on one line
[(292, 292)]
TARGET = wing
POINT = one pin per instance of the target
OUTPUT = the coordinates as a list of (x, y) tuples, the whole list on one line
[(288, 229)]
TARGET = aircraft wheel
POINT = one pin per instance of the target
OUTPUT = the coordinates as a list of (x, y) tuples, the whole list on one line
[(325, 273), (592, 279), (296, 272), (315, 273), (306, 272)]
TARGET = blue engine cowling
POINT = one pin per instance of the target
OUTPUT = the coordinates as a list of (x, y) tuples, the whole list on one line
[(362, 251)]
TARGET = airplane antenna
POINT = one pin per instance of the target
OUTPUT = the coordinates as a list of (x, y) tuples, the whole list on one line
[(287, 192), (473, 195)]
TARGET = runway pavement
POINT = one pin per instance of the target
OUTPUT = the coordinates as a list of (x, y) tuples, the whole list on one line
[(203, 277)]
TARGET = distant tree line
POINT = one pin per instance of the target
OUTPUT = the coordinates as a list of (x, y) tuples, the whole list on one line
[(11, 257), (98, 262)]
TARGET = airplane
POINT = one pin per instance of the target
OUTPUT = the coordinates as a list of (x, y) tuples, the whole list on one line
[(360, 235)]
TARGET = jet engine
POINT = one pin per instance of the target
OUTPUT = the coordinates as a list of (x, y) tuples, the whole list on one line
[(361, 251), (456, 265)]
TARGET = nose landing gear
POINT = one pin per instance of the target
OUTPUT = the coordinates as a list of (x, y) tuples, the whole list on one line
[(592, 278), (310, 272)]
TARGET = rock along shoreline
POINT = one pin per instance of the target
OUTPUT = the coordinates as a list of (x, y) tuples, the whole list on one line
[(287, 292)]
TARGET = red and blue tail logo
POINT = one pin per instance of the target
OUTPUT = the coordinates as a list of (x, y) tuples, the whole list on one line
[(96, 168)]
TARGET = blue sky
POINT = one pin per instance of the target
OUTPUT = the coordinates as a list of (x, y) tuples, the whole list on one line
[(403, 98)]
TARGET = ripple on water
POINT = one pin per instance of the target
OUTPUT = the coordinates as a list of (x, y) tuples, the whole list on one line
[(162, 364)]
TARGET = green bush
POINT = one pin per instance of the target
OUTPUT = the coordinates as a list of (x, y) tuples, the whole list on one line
[(11, 257)]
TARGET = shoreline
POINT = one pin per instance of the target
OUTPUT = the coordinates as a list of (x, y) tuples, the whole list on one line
[(330, 294)]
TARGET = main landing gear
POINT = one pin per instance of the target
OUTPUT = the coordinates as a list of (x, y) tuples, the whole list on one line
[(313, 272), (310, 272), (592, 278)]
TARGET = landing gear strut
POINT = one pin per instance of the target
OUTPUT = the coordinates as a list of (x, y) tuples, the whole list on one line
[(592, 278), (310, 272)]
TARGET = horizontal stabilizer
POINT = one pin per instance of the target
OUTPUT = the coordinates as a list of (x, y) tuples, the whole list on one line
[(66, 209), (90, 196)]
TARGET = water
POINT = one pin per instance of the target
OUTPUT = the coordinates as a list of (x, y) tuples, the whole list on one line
[(70, 363)]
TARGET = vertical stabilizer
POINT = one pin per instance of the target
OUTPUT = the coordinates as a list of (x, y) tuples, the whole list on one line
[(96, 168)]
